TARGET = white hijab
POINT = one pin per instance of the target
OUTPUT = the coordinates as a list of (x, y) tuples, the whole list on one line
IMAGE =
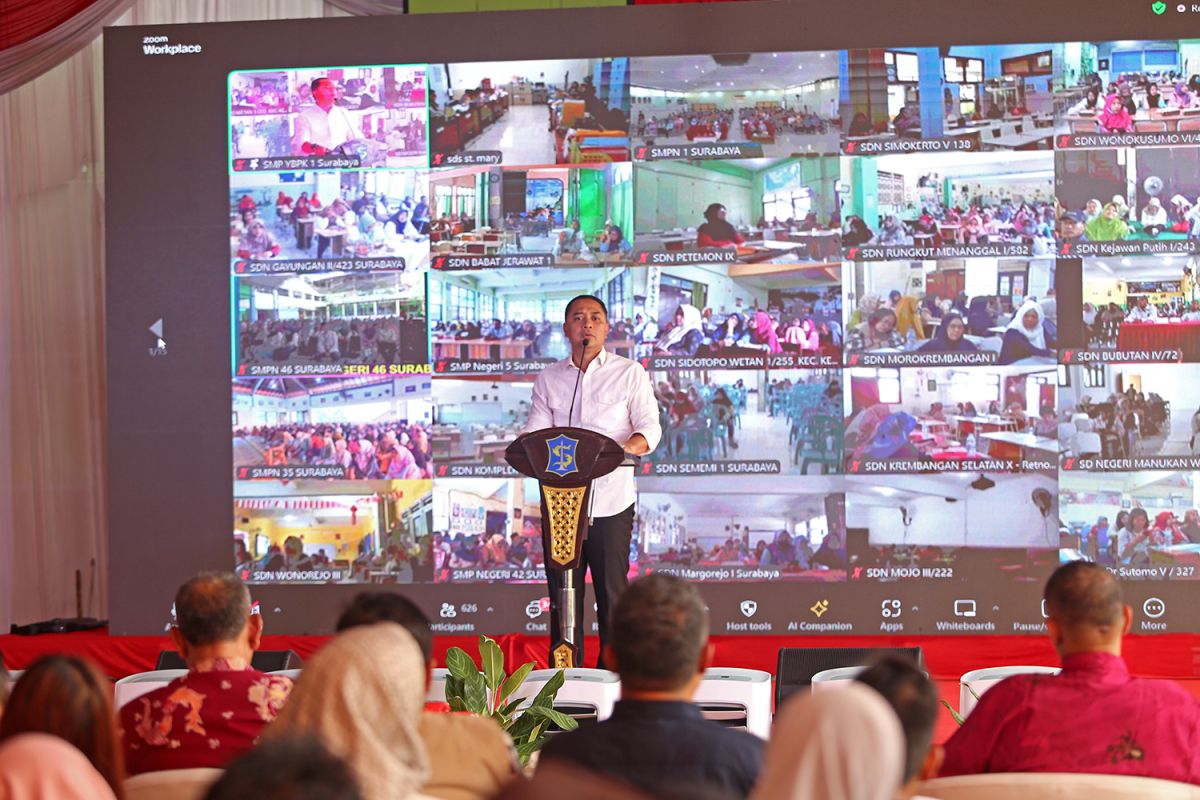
[(840, 744), (1037, 336), (362, 695), (691, 322)]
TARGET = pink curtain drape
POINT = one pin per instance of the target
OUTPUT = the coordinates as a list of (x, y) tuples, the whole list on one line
[(52, 390)]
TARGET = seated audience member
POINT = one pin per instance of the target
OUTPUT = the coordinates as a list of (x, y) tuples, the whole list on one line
[(36, 766), (469, 756), (614, 243), (297, 768), (914, 698), (876, 333), (1117, 724), (257, 242), (1025, 336), (217, 710), (68, 697), (1072, 228), (685, 336), (1142, 311), (838, 745), (656, 739), (716, 231), (362, 696), (1154, 217), (1109, 226), (950, 337)]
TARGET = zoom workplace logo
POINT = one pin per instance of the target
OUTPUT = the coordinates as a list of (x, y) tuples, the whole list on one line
[(161, 46), (160, 344)]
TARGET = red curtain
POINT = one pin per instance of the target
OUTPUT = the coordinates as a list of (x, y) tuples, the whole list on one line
[(22, 20)]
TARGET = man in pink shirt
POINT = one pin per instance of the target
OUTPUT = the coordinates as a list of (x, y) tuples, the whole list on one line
[(1093, 716)]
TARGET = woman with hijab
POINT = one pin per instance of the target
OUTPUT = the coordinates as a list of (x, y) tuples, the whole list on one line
[(762, 332), (950, 337), (979, 316), (892, 232), (1109, 226), (1092, 209), (1167, 531), (1153, 98), (856, 232), (879, 331), (867, 305), (1114, 117), (1182, 97), (716, 231), (908, 315), (365, 466), (1090, 103), (685, 336), (839, 745), (973, 231), (1025, 336), (38, 766), (1154, 217), (362, 696), (1191, 525), (257, 242), (780, 552)]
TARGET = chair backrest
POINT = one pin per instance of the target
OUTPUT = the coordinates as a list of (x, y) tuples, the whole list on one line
[(133, 686), (1083, 126), (974, 683), (584, 691), (836, 677), (294, 674), (1054, 786), (262, 660), (172, 784), (796, 666), (1150, 126), (736, 698), (1084, 425), (1189, 124)]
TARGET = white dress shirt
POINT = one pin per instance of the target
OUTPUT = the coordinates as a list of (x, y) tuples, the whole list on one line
[(1139, 314), (616, 399), (330, 130)]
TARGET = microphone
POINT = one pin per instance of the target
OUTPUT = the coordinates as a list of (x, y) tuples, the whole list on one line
[(571, 409)]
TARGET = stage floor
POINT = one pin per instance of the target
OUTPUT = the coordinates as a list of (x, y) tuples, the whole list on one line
[(1173, 656)]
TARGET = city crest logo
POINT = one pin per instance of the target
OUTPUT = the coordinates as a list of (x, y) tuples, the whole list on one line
[(562, 455)]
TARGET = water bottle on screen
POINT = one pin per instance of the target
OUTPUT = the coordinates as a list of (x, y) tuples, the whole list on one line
[(970, 445), (912, 339)]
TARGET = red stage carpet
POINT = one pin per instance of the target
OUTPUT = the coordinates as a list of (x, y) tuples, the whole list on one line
[(1174, 656)]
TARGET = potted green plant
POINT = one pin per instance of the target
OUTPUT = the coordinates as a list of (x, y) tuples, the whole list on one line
[(488, 691)]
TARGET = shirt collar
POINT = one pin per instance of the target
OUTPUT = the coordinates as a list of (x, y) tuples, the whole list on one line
[(656, 709), (600, 360), (1103, 667)]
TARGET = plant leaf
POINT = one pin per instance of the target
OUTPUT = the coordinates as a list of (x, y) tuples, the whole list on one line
[(545, 696), (454, 687), (493, 662), (957, 717), (475, 693), (508, 709), (560, 719), (459, 663), (514, 681), (456, 703)]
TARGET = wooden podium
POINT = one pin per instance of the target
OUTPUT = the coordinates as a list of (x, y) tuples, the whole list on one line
[(565, 461)]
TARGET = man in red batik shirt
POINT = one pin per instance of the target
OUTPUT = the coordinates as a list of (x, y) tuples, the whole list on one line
[(216, 712), (1093, 716)]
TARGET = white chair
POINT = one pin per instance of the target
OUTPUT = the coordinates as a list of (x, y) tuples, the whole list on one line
[(1055, 786), (974, 683), (134, 686), (732, 695), (172, 784), (1084, 424), (835, 678), (437, 686), (1086, 444), (583, 693), (294, 674)]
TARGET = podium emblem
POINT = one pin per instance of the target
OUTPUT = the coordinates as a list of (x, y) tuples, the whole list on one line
[(562, 455)]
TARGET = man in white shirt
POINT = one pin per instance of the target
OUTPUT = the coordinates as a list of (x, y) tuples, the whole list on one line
[(614, 398), (322, 127), (1193, 312), (1142, 312)]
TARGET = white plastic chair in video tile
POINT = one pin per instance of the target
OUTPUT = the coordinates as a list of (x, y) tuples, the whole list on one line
[(727, 694), (134, 686), (835, 678), (294, 674), (437, 686), (978, 681), (594, 689)]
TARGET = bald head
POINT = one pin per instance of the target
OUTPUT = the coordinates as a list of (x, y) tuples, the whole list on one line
[(1084, 601)]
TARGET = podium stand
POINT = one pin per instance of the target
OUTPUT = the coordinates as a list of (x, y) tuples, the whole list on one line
[(565, 461)]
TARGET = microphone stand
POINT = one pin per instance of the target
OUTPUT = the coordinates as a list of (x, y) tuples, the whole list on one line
[(566, 597)]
